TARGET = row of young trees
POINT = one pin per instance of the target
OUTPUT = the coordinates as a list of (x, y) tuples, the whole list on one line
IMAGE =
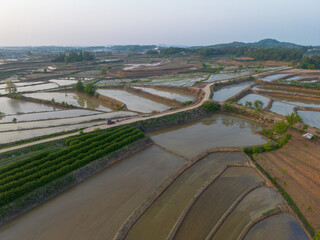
[(22, 177)]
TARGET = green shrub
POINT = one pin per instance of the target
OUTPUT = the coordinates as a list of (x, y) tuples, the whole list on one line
[(211, 106)]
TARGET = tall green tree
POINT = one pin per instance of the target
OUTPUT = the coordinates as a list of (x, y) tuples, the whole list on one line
[(90, 89), (79, 86)]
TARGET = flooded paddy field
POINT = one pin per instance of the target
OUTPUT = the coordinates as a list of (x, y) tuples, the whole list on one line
[(58, 114), (134, 102), (11, 106), (38, 87), (274, 77), (254, 205), (227, 92), (71, 98), (281, 226), (97, 207), (227, 75), (218, 130), (158, 220), (176, 96), (212, 204), (281, 108), (63, 82), (311, 118), (8, 137), (5, 127), (253, 97)]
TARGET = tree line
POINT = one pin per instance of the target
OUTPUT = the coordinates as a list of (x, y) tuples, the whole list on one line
[(74, 57)]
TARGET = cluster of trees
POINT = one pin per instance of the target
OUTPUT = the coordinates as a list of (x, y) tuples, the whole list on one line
[(89, 89), (312, 62), (211, 106), (74, 57), (23, 177)]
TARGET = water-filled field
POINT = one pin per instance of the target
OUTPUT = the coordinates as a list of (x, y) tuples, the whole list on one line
[(253, 206), (186, 82), (215, 201), (158, 220), (227, 92), (47, 115), (96, 208), (11, 106), (218, 130), (134, 102), (254, 97), (311, 118), (18, 126), (274, 77), (281, 226), (281, 108), (227, 75), (63, 82), (71, 98), (176, 96), (8, 137)]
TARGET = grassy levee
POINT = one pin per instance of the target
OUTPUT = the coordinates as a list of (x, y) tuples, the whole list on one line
[(23, 177), (286, 196)]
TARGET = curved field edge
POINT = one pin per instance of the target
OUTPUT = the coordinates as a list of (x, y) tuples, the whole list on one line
[(286, 196), (52, 189), (135, 216)]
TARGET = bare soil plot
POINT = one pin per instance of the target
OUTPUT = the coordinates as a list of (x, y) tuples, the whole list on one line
[(297, 169)]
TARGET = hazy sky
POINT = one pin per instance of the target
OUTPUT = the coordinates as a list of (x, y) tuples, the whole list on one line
[(179, 22)]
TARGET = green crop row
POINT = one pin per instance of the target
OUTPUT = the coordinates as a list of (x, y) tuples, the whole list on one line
[(54, 170), (53, 159), (31, 162)]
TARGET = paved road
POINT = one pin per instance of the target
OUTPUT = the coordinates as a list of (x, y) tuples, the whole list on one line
[(206, 90)]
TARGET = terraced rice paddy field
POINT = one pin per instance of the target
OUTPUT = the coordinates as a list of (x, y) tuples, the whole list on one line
[(217, 194), (297, 169), (227, 92), (134, 102), (171, 95), (70, 98)]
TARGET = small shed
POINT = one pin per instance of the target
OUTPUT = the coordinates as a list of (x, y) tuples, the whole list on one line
[(308, 135)]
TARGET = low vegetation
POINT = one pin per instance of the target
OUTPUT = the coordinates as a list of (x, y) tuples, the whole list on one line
[(21, 178), (89, 89)]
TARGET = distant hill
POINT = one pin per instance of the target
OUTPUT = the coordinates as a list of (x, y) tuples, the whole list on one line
[(263, 43)]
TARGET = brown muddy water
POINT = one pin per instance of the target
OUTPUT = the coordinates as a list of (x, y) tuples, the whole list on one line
[(70, 98), (218, 130), (11, 106), (176, 96), (256, 203), (97, 207), (134, 102), (278, 227), (213, 203), (158, 220)]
